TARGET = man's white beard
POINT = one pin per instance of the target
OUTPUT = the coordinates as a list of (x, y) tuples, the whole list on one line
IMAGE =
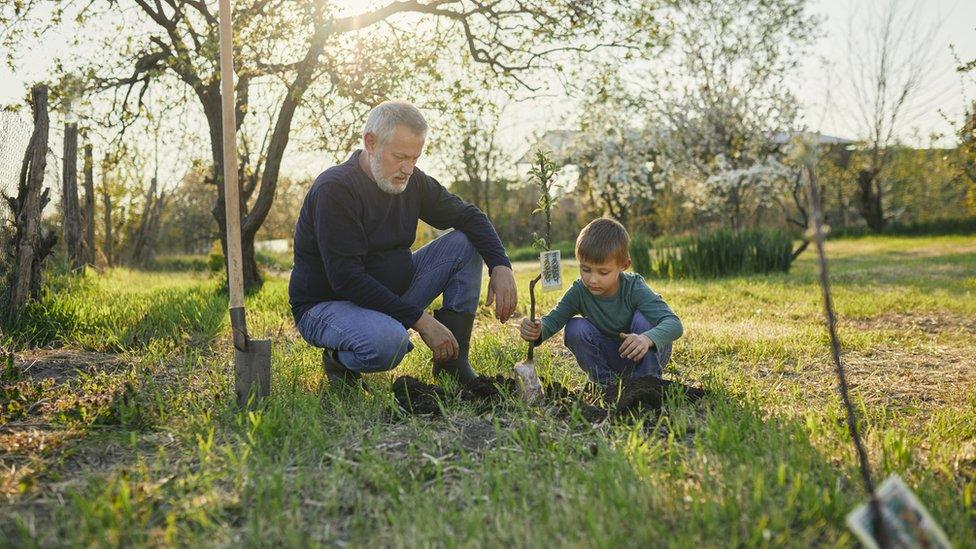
[(385, 184)]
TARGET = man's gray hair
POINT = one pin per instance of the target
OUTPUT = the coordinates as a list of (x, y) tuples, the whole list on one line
[(384, 118)]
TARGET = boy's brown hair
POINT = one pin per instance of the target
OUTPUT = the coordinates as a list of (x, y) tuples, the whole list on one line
[(603, 239)]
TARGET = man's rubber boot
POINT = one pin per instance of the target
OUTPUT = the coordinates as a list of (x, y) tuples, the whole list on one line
[(338, 375), (460, 325)]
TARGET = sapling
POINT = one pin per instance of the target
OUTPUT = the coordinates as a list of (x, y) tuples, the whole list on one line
[(543, 172)]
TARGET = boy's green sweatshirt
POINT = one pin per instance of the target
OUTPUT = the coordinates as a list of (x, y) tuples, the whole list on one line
[(612, 315)]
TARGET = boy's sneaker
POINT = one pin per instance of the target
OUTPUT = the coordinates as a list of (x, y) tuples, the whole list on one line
[(338, 375)]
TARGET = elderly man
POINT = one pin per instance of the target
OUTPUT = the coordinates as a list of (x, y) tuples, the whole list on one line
[(356, 288)]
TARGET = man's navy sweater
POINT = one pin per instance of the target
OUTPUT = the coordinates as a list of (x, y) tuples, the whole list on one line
[(352, 240)]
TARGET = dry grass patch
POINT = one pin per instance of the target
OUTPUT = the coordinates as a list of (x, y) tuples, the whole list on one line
[(925, 322), (63, 364)]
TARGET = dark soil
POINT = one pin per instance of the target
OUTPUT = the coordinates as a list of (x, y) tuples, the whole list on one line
[(416, 397), (564, 400), (637, 397), (489, 388), (646, 395), (591, 413)]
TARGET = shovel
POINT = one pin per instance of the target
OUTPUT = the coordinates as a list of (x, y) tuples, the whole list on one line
[(252, 357), (528, 378)]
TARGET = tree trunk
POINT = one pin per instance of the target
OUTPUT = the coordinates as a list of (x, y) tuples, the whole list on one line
[(249, 259), (139, 238), (89, 217), (145, 241), (869, 184), (735, 198), (70, 208), (29, 246), (488, 197), (842, 205), (155, 224), (799, 249), (252, 278), (106, 214)]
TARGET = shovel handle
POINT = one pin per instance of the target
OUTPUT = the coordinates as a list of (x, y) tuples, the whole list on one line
[(232, 199), (532, 310)]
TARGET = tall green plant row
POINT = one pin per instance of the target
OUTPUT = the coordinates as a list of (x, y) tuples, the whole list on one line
[(640, 254), (713, 254)]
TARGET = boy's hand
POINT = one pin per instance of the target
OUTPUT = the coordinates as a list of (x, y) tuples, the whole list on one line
[(530, 331), (635, 346)]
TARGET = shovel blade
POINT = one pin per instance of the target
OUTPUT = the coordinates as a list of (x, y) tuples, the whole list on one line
[(252, 372), (529, 380)]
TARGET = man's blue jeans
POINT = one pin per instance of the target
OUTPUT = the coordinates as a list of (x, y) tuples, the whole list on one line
[(599, 355), (371, 341)]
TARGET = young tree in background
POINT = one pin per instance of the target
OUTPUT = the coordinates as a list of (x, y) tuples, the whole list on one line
[(890, 58), (724, 97), (966, 131), (616, 159)]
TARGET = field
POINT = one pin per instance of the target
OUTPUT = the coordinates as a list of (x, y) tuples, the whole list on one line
[(121, 427)]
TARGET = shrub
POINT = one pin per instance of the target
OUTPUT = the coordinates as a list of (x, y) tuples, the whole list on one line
[(181, 263)]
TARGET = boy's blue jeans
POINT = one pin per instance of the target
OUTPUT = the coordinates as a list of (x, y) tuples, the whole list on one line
[(371, 341), (599, 355)]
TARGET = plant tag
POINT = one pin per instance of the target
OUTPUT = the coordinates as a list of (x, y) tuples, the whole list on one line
[(552, 274), (905, 520)]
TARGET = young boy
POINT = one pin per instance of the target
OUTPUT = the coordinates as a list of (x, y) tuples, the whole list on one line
[(625, 330)]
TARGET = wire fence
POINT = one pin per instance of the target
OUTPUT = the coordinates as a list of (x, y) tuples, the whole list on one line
[(16, 128)]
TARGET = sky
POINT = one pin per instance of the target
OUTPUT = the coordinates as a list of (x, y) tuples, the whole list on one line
[(824, 108)]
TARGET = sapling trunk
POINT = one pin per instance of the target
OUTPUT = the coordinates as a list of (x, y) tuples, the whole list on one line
[(532, 311)]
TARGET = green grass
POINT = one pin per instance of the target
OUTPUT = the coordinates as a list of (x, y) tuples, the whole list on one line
[(158, 453)]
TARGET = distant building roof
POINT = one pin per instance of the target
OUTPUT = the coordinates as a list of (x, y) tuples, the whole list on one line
[(553, 140), (559, 140), (822, 139)]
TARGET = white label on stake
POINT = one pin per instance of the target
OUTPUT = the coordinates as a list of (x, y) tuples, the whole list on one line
[(552, 273), (905, 520)]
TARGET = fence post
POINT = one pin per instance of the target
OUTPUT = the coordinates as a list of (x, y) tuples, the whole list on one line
[(89, 217), (70, 208), (30, 246)]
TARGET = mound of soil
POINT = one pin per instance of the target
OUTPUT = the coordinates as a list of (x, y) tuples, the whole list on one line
[(646, 395), (416, 397), (637, 397), (489, 388)]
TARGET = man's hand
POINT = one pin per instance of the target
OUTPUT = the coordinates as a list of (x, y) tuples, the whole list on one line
[(501, 291), (440, 340), (530, 331), (635, 346)]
